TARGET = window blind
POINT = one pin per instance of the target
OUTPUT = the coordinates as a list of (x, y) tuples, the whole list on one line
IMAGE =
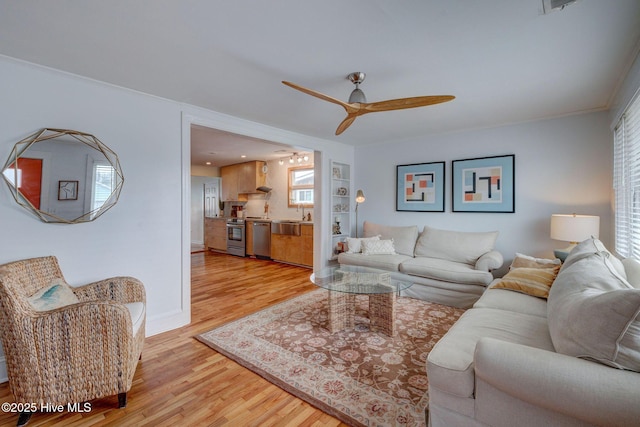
[(626, 181)]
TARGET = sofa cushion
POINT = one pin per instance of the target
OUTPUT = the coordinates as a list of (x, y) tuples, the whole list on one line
[(383, 262), (532, 281), (450, 363), (512, 301), (457, 246), (447, 271), (632, 271), (354, 244), (57, 294), (137, 313), (404, 237), (594, 313), (378, 247)]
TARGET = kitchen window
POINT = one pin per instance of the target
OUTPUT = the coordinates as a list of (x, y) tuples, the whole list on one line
[(301, 186)]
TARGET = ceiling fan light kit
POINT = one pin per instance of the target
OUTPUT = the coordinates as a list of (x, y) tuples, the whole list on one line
[(358, 105), (357, 95)]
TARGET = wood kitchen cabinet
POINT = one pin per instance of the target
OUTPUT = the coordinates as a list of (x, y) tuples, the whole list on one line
[(229, 175), (248, 238), (241, 179), (307, 244), (215, 234), (294, 249)]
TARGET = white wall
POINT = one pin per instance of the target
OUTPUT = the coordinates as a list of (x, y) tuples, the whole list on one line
[(146, 234), (141, 235), (562, 166)]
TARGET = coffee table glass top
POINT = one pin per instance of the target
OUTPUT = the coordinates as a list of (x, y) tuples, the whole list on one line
[(353, 279)]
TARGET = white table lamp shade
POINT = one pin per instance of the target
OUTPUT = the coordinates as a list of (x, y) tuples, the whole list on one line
[(574, 228)]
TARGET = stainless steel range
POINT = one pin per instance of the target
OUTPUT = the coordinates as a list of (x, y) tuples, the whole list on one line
[(236, 237)]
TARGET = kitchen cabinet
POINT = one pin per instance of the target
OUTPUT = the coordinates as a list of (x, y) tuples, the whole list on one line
[(248, 238), (229, 175), (241, 179), (307, 244), (215, 234), (294, 249)]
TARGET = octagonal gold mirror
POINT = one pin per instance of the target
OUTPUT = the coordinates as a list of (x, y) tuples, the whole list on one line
[(64, 176)]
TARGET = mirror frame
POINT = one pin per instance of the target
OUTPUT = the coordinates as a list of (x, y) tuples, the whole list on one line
[(22, 146)]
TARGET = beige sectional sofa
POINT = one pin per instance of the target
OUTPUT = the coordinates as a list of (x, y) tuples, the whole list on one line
[(569, 360), (447, 267)]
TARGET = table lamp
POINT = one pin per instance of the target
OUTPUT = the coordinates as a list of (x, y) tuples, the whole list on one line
[(359, 199), (573, 229)]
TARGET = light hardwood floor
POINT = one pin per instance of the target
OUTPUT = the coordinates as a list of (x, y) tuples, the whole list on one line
[(181, 381)]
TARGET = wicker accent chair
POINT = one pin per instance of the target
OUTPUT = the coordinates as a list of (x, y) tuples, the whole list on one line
[(75, 353)]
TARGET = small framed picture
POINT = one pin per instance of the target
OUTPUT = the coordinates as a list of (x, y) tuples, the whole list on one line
[(420, 187), (485, 184), (336, 173), (67, 190)]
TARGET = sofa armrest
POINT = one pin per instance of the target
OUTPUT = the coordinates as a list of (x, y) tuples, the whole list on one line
[(578, 388), (489, 261)]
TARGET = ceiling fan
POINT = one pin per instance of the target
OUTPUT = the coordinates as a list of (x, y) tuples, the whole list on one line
[(358, 105)]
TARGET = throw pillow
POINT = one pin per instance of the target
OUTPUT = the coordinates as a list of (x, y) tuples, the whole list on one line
[(378, 247), (57, 294), (522, 260), (593, 312), (589, 247), (534, 281), (354, 244)]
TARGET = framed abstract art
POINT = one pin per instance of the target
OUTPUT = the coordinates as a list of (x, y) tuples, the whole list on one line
[(485, 184), (420, 187)]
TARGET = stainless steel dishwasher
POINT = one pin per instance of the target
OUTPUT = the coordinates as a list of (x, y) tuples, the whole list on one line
[(262, 239)]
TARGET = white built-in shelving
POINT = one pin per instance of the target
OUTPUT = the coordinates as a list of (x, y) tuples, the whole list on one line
[(340, 204)]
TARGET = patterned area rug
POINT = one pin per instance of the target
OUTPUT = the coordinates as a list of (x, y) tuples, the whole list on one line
[(358, 376)]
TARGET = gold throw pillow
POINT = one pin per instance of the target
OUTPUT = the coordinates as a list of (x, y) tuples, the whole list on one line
[(529, 280)]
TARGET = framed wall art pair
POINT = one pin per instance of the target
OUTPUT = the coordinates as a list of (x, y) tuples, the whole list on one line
[(484, 184)]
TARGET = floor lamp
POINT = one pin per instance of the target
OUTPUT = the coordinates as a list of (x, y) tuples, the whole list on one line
[(359, 199)]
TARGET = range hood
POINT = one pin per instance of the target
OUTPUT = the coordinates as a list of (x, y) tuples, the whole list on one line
[(264, 189)]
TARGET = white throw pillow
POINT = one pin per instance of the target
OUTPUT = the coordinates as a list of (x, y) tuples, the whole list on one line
[(378, 247), (354, 244), (589, 247), (593, 312), (56, 295)]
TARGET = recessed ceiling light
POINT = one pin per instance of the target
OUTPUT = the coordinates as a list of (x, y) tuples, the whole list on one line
[(208, 163), (243, 156)]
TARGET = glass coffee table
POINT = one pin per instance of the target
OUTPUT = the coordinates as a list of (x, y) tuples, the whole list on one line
[(346, 281)]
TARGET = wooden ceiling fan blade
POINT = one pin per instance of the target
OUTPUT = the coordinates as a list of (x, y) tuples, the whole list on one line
[(403, 103), (349, 108), (346, 123)]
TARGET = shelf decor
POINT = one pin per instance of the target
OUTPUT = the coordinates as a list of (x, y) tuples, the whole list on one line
[(420, 187), (341, 224), (484, 184)]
